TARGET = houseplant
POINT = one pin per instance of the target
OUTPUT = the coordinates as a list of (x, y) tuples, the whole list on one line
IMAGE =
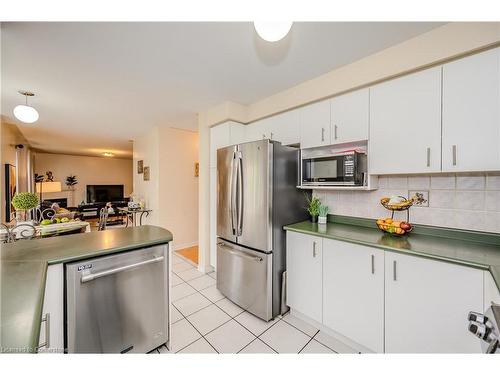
[(322, 213), (71, 181), (24, 202), (313, 207)]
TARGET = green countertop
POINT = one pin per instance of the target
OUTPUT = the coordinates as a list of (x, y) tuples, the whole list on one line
[(23, 267), (473, 249)]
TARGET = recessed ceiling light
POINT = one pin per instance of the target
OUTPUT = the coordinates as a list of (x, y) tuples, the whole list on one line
[(24, 112), (272, 31), (108, 154)]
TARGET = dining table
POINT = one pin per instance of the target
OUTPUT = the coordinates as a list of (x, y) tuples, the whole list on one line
[(132, 214)]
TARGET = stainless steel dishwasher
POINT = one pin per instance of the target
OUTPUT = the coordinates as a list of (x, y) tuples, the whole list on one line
[(118, 303)]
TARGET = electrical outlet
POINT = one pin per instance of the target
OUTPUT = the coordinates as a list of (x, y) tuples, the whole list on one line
[(421, 197)]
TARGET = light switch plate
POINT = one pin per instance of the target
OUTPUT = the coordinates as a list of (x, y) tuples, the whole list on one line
[(421, 197)]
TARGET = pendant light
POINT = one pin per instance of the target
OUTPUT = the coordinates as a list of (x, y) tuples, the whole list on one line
[(272, 31), (24, 112)]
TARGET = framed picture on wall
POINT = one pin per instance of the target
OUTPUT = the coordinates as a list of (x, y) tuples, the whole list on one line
[(146, 174), (10, 191), (140, 166)]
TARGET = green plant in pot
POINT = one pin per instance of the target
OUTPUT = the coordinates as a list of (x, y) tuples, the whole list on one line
[(323, 213), (313, 205), (23, 202)]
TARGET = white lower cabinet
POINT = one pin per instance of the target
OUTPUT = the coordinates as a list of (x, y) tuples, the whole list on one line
[(385, 301), (353, 292), (304, 274), (426, 305), (51, 338)]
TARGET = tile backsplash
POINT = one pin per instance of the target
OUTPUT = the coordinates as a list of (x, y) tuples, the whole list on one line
[(469, 201)]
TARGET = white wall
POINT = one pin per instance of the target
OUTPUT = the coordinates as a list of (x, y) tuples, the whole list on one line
[(146, 148), (172, 192), (465, 201), (89, 170)]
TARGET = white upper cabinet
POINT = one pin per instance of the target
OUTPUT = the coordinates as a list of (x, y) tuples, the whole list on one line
[(350, 117), (304, 274), (405, 124), (258, 130), (315, 124), (471, 113), (426, 305), (353, 292), (285, 127), (226, 134)]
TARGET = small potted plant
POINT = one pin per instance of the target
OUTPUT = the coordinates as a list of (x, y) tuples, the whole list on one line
[(323, 212), (313, 205), (24, 202)]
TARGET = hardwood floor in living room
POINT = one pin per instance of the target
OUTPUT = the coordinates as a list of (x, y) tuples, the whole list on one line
[(190, 253)]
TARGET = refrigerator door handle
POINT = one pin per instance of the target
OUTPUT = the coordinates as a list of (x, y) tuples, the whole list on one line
[(240, 193), (232, 195)]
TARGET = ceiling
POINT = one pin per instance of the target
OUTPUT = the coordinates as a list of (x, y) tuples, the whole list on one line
[(100, 85)]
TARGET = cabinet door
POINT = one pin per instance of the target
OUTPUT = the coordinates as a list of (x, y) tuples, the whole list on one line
[(236, 133), (285, 127), (471, 113), (219, 137), (304, 274), (353, 292), (257, 130), (426, 305), (315, 125), (405, 124), (51, 338), (350, 117)]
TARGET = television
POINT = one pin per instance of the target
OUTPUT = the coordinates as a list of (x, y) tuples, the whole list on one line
[(104, 193)]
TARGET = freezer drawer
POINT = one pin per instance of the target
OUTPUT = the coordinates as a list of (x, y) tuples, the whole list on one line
[(118, 303), (245, 277)]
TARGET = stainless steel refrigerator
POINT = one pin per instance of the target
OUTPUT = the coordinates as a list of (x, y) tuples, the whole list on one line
[(256, 197)]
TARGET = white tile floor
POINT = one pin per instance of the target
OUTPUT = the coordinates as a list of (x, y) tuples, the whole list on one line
[(204, 321)]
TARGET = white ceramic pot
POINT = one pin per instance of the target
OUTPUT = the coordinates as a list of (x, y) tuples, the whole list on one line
[(321, 219)]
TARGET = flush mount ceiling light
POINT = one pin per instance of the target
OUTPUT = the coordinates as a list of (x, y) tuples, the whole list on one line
[(24, 112), (108, 154), (272, 31)]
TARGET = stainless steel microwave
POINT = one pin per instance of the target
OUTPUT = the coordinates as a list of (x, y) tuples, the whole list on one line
[(344, 169)]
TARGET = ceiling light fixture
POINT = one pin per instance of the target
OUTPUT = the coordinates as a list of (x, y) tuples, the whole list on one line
[(272, 31), (108, 154), (24, 112)]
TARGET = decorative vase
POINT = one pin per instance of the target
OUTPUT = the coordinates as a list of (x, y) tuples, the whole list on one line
[(321, 219), (314, 218), (20, 216)]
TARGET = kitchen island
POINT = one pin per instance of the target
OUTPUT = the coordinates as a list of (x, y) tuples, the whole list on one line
[(23, 270)]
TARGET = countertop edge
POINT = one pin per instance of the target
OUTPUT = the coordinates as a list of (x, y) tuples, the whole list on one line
[(485, 267)]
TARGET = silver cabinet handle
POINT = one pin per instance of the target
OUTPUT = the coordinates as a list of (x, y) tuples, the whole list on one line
[(428, 156), (335, 131), (373, 264), (394, 271), (93, 276), (454, 152), (322, 134), (46, 344), (240, 254), (314, 249)]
